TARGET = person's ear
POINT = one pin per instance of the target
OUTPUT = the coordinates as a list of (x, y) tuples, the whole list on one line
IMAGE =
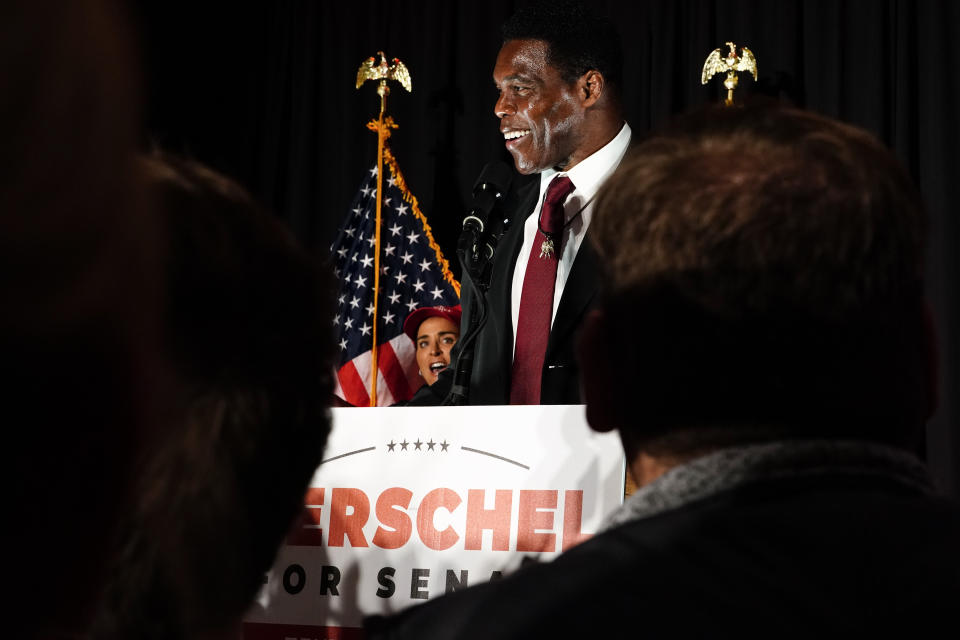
[(597, 373), (591, 85)]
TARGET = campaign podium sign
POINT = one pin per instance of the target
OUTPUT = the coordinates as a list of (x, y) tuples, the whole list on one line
[(410, 503)]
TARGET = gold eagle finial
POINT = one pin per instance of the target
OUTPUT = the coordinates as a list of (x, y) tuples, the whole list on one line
[(730, 64), (369, 70)]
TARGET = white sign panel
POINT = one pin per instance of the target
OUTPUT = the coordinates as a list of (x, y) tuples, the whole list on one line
[(410, 503)]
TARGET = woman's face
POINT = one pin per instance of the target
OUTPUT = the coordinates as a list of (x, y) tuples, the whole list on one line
[(435, 337)]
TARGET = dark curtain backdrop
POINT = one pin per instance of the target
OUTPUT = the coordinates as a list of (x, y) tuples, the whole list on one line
[(265, 92)]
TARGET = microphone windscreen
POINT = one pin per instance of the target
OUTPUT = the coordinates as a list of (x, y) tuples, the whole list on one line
[(496, 174)]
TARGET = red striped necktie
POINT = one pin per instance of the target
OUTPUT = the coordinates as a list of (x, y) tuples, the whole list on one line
[(536, 299)]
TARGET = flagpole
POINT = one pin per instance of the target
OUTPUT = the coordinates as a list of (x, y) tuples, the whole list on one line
[(384, 91), (382, 72)]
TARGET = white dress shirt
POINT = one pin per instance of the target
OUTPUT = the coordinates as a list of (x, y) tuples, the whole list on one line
[(587, 176)]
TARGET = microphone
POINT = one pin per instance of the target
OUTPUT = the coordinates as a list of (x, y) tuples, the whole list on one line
[(490, 186)]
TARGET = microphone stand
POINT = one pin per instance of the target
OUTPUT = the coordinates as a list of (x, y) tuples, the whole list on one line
[(476, 265), (475, 250), (460, 388)]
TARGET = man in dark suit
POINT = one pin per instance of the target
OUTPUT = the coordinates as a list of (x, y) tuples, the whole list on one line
[(763, 348), (558, 74)]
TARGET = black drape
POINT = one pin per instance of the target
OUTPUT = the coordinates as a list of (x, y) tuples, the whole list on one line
[(266, 93)]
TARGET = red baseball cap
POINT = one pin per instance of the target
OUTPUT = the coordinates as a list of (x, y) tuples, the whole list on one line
[(417, 316)]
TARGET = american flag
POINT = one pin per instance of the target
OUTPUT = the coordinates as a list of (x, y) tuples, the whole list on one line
[(413, 273)]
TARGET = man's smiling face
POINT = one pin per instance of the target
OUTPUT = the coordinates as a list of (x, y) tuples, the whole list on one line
[(541, 115)]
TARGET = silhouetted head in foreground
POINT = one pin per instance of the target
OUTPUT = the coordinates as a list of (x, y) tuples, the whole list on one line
[(79, 293), (246, 332), (766, 266)]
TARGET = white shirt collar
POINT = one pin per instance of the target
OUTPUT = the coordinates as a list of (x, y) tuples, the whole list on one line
[(589, 174)]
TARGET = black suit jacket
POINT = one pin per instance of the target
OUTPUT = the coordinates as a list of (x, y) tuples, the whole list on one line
[(493, 354), (803, 557)]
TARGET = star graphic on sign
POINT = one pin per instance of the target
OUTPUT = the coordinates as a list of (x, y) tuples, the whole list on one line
[(348, 324), (370, 309), (389, 249), (341, 298), (349, 231), (392, 181), (403, 445), (395, 229), (358, 210), (402, 210), (425, 265), (391, 445), (406, 257), (417, 445), (372, 240), (365, 329), (367, 261), (342, 252), (401, 278), (444, 445), (411, 305), (373, 171), (366, 191), (418, 285), (430, 444), (413, 237), (343, 344), (388, 318), (336, 320), (353, 258), (355, 302), (437, 293), (360, 281), (395, 298)]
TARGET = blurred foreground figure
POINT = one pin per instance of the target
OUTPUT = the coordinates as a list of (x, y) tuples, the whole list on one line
[(764, 350), (246, 332), (79, 300)]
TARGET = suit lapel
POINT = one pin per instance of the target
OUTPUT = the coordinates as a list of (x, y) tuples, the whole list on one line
[(578, 292), (506, 259)]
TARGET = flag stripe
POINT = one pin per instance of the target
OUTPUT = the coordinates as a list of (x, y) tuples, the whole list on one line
[(360, 385), (393, 372), (354, 390), (407, 353), (385, 396)]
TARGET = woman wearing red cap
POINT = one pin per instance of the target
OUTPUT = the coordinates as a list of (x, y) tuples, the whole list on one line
[(434, 331)]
